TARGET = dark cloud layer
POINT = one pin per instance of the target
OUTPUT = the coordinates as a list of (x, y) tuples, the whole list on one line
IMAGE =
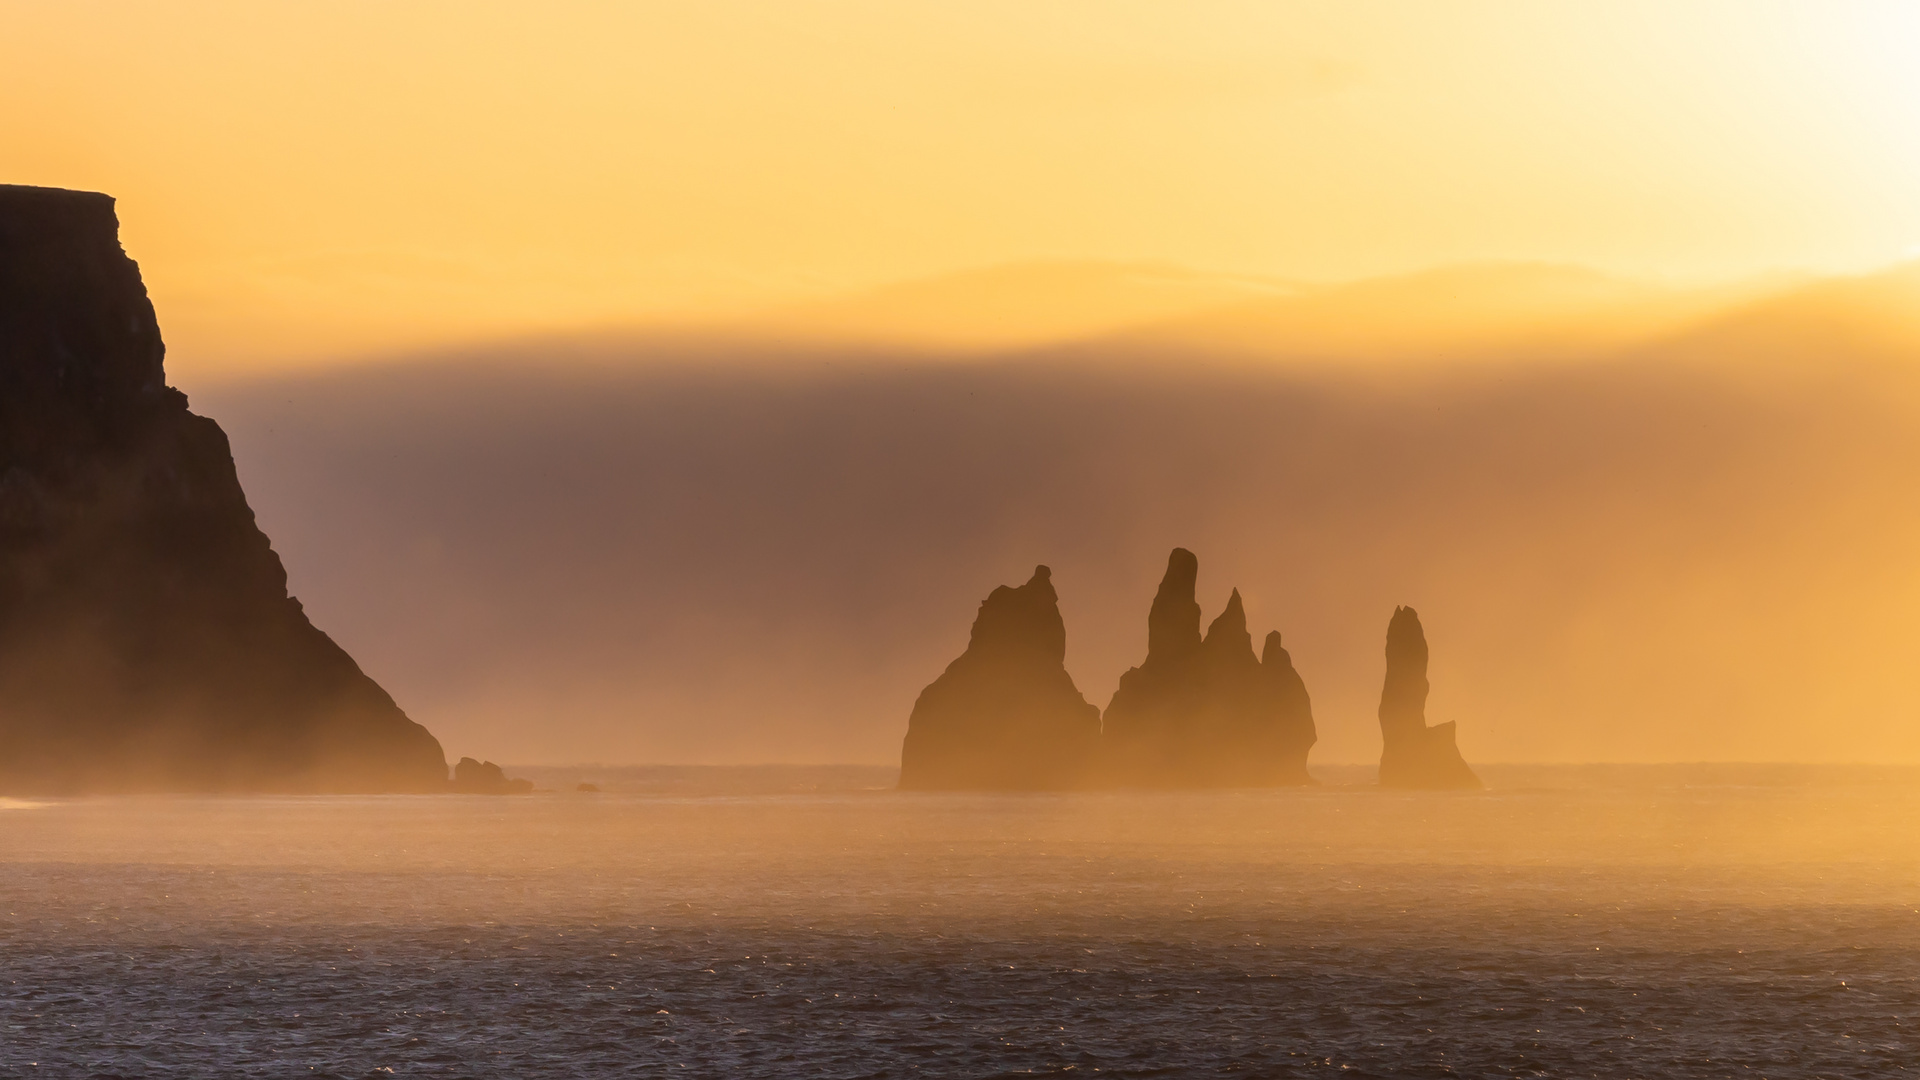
[(752, 561)]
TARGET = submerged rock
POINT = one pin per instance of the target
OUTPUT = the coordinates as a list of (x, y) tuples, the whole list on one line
[(1412, 754), (1005, 715), (1206, 712), (472, 777), (147, 641)]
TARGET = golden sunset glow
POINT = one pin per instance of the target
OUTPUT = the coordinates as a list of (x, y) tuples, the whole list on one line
[(784, 538), (588, 362), (317, 181)]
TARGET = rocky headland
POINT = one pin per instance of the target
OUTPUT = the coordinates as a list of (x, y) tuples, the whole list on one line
[(1005, 714), (1412, 754), (147, 639)]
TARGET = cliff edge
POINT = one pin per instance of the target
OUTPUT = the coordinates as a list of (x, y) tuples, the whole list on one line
[(147, 640)]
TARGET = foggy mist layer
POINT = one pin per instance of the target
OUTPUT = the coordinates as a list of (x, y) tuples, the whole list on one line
[(1658, 554)]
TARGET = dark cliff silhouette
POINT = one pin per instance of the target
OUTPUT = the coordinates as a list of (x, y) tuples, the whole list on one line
[(1005, 715), (147, 641), (1414, 755), (1206, 712)]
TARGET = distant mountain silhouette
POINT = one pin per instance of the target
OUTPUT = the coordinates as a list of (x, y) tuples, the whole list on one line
[(1205, 712), (1816, 324), (1014, 306), (1477, 312), (1414, 755), (147, 641), (1006, 714)]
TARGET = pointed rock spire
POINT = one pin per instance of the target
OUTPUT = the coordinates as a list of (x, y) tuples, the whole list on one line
[(1173, 623), (1412, 754), (1272, 654), (1227, 634), (1293, 733), (1023, 622)]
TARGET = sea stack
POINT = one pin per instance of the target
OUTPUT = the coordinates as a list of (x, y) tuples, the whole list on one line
[(1414, 755), (472, 777), (1206, 712), (1005, 715), (147, 640)]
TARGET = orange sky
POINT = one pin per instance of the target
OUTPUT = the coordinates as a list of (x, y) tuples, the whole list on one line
[(312, 181)]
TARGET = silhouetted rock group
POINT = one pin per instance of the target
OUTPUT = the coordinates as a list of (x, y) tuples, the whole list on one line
[(1206, 712), (1198, 712), (1006, 713), (1412, 754), (147, 641)]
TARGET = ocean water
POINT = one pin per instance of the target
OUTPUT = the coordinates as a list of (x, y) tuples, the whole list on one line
[(1597, 921)]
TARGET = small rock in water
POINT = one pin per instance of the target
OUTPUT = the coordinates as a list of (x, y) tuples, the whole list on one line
[(472, 777)]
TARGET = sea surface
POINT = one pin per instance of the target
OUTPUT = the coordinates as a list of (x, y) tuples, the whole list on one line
[(1604, 921)]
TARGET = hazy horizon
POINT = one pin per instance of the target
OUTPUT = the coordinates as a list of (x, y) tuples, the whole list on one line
[(1505, 310), (1665, 545)]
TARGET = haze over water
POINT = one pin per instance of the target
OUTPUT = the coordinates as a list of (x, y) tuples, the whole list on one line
[(1576, 921)]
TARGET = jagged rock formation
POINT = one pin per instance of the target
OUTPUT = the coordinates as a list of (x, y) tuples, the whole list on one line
[(147, 641), (1292, 733), (472, 777), (1006, 714), (1205, 712), (1149, 731), (1414, 755)]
